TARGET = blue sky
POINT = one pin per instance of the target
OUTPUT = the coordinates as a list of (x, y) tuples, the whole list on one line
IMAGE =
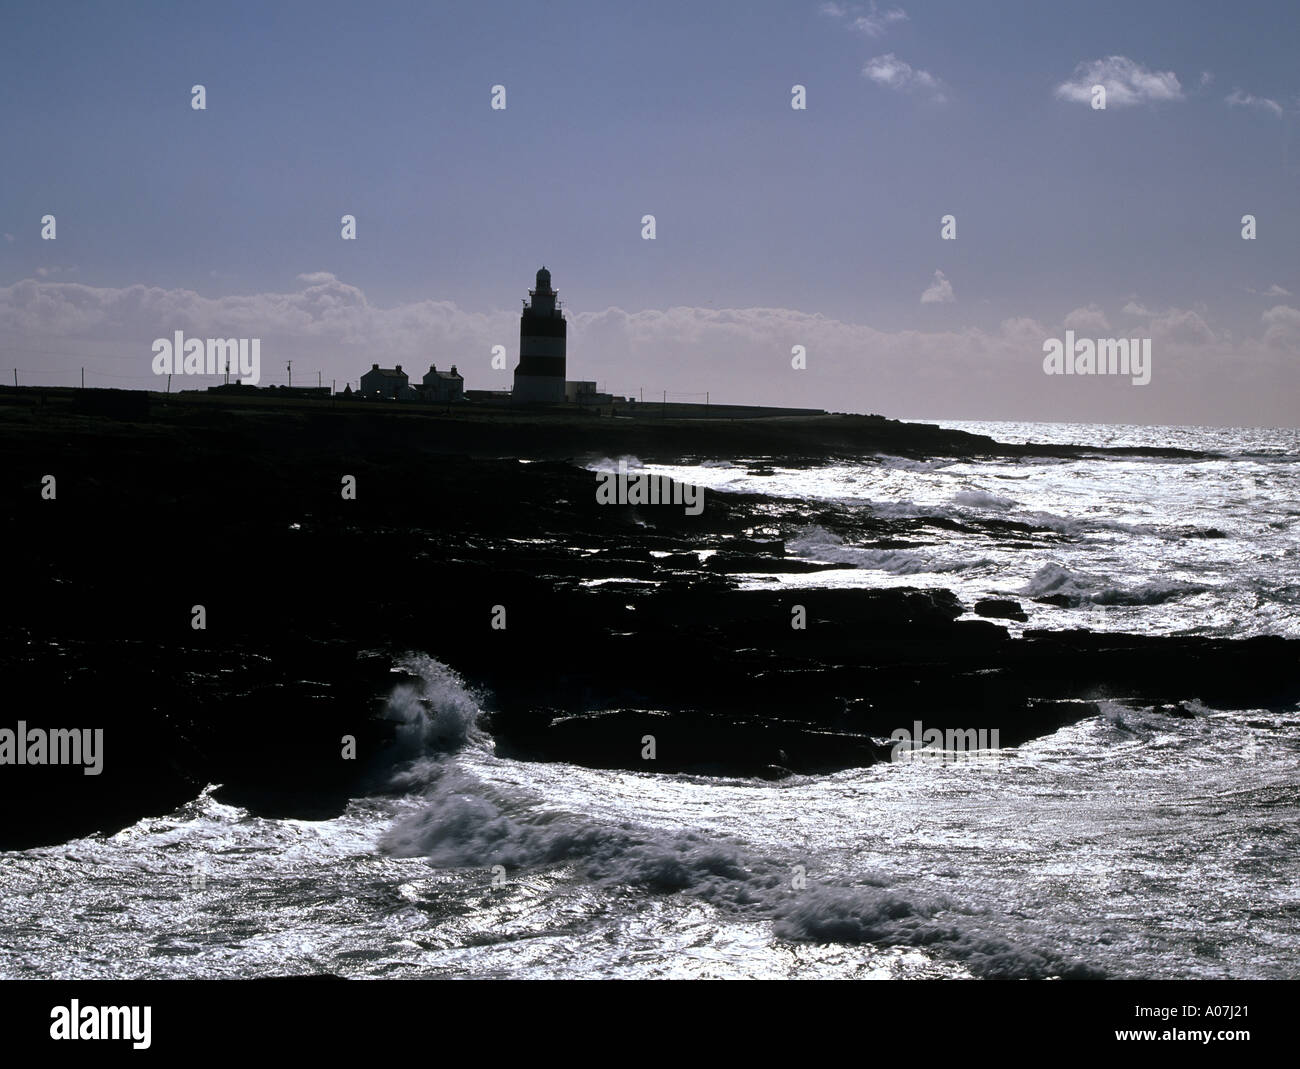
[(774, 226)]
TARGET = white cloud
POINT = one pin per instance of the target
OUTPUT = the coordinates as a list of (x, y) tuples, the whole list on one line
[(1186, 326), (1127, 83), (1183, 325), (1088, 318), (893, 73), (1207, 79), (1276, 291), (939, 292), (870, 21), (876, 22), (1238, 99), (1025, 328), (317, 277), (1282, 327)]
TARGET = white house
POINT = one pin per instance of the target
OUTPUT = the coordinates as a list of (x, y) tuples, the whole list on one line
[(442, 385), (386, 382)]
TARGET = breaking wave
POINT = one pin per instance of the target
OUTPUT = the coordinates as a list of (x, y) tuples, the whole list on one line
[(1078, 588), (436, 715), (610, 464), (982, 500), (464, 822), (819, 544)]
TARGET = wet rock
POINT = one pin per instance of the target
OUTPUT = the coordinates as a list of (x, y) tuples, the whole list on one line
[(1000, 609)]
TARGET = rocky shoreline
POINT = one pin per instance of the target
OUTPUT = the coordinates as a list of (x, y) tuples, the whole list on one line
[(621, 621)]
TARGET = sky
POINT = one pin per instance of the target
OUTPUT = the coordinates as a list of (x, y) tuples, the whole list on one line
[(775, 227)]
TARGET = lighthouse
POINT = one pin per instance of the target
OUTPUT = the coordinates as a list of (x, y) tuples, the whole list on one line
[(542, 332)]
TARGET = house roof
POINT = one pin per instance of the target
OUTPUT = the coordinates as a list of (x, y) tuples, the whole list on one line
[(444, 375), (391, 372)]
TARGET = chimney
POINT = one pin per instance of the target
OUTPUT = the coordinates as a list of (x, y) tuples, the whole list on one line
[(433, 368), (374, 367), (399, 369), (453, 369)]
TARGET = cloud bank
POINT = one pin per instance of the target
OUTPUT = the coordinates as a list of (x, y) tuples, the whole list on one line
[(1201, 373)]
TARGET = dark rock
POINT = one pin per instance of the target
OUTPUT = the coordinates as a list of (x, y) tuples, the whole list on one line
[(1000, 609)]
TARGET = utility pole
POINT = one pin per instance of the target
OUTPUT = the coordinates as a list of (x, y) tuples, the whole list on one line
[(15, 376), (289, 365), (83, 378), (318, 380), (169, 384)]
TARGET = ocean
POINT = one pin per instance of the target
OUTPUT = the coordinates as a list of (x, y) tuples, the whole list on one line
[(1137, 843)]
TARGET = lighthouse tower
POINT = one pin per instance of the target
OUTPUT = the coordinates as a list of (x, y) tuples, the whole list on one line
[(542, 332)]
